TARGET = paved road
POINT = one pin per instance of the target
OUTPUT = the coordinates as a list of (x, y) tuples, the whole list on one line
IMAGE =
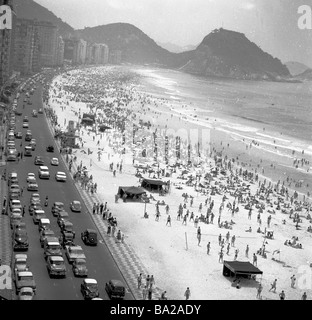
[(100, 263)]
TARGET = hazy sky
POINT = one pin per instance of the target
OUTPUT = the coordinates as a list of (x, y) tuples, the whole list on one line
[(271, 24)]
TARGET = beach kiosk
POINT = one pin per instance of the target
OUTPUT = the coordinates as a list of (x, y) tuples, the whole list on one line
[(240, 269), (131, 193), (153, 184)]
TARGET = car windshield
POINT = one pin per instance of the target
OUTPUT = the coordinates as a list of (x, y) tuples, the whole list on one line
[(54, 247), (25, 278), (27, 293), (20, 263), (92, 286), (57, 263), (76, 250), (80, 263)]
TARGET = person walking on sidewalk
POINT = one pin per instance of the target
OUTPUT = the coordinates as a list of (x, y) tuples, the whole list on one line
[(144, 293), (259, 290), (139, 281)]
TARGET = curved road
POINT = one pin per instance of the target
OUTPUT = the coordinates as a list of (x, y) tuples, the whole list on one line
[(100, 264)]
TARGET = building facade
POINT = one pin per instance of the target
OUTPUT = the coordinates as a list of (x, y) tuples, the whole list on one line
[(48, 38), (26, 58), (6, 39)]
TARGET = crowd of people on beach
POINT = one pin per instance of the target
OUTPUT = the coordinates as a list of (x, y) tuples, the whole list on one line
[(225, 186)]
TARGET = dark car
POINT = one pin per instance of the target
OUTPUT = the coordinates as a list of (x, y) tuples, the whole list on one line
[(56, 266), (44, 234), (34, 206), (20, 240), (18, 135), (66, 239), (115, 289), (67, 226), (39, 161), (50, 148), (57, 207), (89, 289), (89, 237)]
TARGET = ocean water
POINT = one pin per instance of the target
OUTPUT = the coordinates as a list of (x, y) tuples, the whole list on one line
[(273, 113)]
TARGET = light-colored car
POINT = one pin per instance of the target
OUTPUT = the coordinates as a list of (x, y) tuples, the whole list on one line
[(15, 204), (25, 125), (26, 293), (74, 252), (80, 268), (24, 279), (55, 162), (20, 263), (44, 172), (31, 177), (32, 186), (60, 176), (56, 266), (35, 198), (38, 214), (75, 206)]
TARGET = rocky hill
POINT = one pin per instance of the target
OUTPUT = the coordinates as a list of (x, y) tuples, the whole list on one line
[(29, 9), (296, 68), (227, 53), (136, 46), (306, 75)]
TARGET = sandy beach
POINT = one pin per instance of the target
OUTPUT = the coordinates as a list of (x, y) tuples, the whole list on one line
[(173, 254)]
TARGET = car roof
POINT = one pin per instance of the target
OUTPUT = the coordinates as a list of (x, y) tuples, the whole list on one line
[(39, 211), (68, 222), (76, 201), (80, 260), (117, 282), (53, 243), (61, 172), (91, 281), (54, 158), (63, 214), (31, 174), (58, 203), (45, 220), (27, 289), (91, 231), (21, 256), (43, 167), (56, 258), (25, 273)]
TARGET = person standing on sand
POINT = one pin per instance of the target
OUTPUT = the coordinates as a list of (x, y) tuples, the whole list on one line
[(304, 296), (273, 286), (208, 247), (247, 251), (282, 295), (259, 290), (199, 235), (187, 293), (168, 220), (221, 256)]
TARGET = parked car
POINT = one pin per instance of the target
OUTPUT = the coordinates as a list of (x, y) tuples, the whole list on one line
[(62, 216), (56, 266), (38, 214), (31, 177), (44, 224), (74, 252), (60, 176), (25, 125), (89, 288), (15, 219), (66, 239), (15, 204), (45, 233), (14, 195), (39, 161), (18, 135), (52, 247), (35, 198), (80, 268), (34, 113), (40, 111), (32, 186), (33, 207), (50, 148), (26, 293), (54, 161), (28, 151), (89, 237), (12, 155), (20, 263), (20, 240), (24, 279), (57, 207), (44, 172), (75, 206), (115, 289), (67, 226)]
